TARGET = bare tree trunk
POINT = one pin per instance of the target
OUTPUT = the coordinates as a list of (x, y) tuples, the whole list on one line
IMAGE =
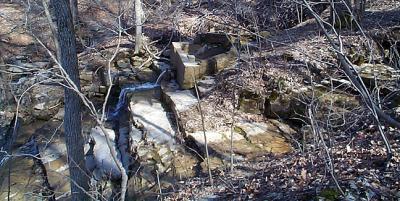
[(340, 15), (72, 119), (345, 13), (138, 21), (74, 10), (359, 9)]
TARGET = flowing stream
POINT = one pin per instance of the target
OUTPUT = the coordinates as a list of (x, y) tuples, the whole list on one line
[(122, 100)]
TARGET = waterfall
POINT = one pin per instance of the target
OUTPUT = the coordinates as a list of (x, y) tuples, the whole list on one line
[(122, 99)]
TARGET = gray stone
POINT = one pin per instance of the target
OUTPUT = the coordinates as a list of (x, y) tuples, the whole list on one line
[(206, 85), (161, 66), (178, 100), (251, 102), (205, 56), (15, 70), (250, 139), (380, 72), (153, 117), (33, 65), (124, 63)]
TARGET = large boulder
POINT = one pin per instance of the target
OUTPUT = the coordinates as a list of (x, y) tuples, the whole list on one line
[(47, 100), (38, 101)]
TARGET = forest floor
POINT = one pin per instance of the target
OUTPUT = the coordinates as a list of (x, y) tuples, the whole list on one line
[(348, 164), (357, 158)]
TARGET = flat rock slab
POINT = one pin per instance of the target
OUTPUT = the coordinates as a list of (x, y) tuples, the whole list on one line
[(155, 141), (151, 114), (180, 100), (250, 139)]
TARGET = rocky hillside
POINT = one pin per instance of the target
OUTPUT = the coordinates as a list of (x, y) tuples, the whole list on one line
[(251, 93)]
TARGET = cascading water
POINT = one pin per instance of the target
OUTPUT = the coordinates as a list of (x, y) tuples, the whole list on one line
[(122, 100)]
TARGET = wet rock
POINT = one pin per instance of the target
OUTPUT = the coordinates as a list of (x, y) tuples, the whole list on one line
[(53, 154), (178, 101), (104, 165), (23, 184), (170, 161), (155, 139)]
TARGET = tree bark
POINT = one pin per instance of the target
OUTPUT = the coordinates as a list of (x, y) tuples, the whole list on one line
[(138, 22), (72, 119), (74, 10), (359, 9), (344, 13)]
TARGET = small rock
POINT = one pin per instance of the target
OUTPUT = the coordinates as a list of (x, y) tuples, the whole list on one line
[(39, 106), (251, 102), (206, 85), (15, 70), (160, 66), (60, 114), (124, 63)]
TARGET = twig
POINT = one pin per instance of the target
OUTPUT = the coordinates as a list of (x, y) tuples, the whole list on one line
[(204, 132), (159, 184), (356, 80)]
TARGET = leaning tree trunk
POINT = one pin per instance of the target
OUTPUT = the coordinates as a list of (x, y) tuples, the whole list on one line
[(138, 22), (72, 119)]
